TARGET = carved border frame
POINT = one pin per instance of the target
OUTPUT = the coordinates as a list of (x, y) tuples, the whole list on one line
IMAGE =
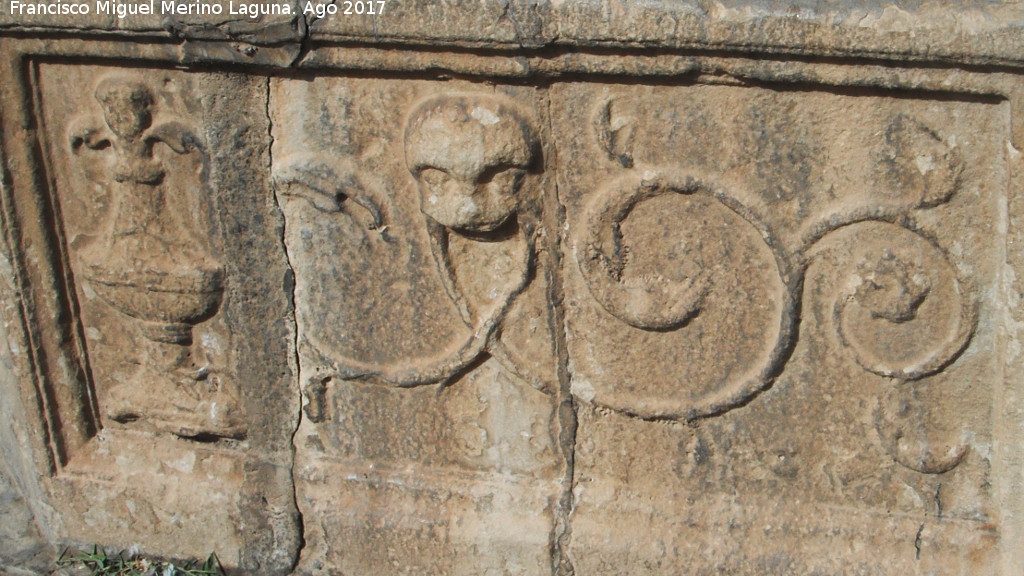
[(55, 385)]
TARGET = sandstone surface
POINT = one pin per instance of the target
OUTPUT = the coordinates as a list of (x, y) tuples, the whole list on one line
[(515, 287)]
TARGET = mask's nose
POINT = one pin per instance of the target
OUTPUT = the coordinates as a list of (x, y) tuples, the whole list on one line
[(458, 188)]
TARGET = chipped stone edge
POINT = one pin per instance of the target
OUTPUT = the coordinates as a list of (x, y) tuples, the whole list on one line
[(981, 33)]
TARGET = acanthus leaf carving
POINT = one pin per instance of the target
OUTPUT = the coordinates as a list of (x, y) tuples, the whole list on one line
[(326, 184), (614, 132), (918, 165), (901, 420)]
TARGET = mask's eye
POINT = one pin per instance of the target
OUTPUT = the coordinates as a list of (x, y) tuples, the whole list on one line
[(507, 179), (433, 177)]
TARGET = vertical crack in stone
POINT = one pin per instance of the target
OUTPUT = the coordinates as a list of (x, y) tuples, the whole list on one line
[(554, 217), (294, 360), (304, 48), (917, 542), (507, 13)]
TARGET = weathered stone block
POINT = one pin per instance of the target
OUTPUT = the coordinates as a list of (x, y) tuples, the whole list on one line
[(517, 288), (164, 354)]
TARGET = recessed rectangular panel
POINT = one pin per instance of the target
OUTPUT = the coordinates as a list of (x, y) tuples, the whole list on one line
[(159, 200), (402, 322), (780, 326), (413, 221)]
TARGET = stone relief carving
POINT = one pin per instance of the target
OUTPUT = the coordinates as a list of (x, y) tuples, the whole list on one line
[(468, 155), (647, 302), (151, 265), (893, 296), (902, 313), (438, 213), (902, 421), (880, 401), (668, 298), (614, 132), (152, 194), (917, 165), (413, 222), (777, 275)]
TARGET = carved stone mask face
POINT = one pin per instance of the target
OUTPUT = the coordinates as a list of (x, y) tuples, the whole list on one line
[(469, 155), (126, 107)]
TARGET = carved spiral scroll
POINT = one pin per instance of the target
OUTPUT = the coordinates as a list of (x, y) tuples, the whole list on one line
[(718, 293), (901, 310), (649, 303)]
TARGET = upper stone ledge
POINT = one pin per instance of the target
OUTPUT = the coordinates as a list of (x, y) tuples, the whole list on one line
[(959, 31), (259, 22), (984, 32)]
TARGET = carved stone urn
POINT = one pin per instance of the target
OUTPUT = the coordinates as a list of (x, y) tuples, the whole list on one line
[(150, 265)]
